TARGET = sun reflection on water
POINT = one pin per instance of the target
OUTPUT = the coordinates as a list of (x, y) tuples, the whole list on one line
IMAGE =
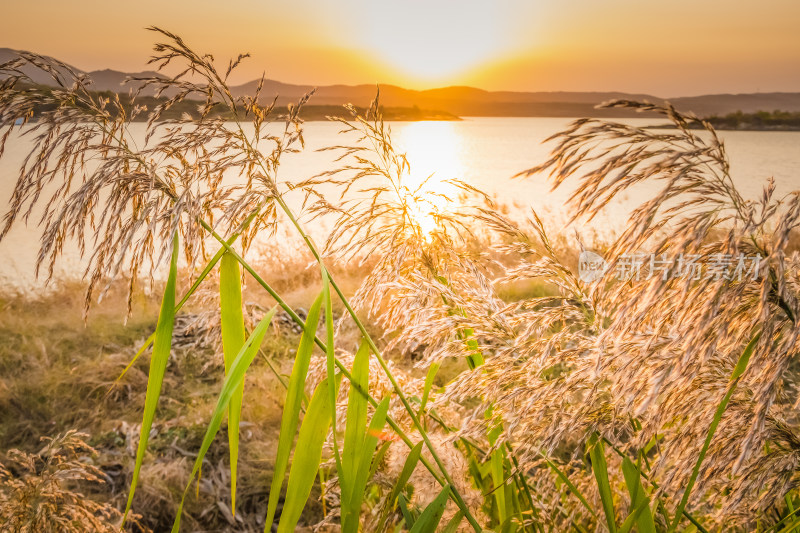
[(433, 152)]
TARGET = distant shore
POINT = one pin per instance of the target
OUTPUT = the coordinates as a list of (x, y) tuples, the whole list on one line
[(402, 114), (723, 127), (759, 121), (191, 108)]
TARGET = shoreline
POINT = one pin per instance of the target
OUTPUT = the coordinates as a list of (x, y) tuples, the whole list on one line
[(722, 127)]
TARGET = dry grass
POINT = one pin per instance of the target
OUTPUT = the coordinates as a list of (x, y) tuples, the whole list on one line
[(60, 373), (40, 491)]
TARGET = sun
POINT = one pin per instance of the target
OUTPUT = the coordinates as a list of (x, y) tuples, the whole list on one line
[(433, 41)]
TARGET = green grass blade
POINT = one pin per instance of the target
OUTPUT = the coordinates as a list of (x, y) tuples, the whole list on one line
[(330, 362), (355, 432), (428, 385), (408, 468), (364, 466), (475, 357), (432, 514), (158, 366), (307, 456), (633, 518), (132, 362), (452, 525), (522, 484), (741, 366), (497, 473), (408, 517), (638, 496), (231, 384), (233, 337), (501, 491), (291, 409), (600, 469)]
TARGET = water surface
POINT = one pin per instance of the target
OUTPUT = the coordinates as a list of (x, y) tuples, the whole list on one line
[(484, 152)]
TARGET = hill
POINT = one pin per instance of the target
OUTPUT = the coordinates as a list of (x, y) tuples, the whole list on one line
[(466, 101)]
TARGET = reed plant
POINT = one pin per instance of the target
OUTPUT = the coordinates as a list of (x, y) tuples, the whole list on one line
[(649, 403)]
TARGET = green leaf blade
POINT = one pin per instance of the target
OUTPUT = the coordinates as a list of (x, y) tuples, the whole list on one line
[(639, 498), (432, 514), (408, 468), (355, 433), (363, 469), (307, 456), (600, 469), (233, 338), (429, 377), (158, 365), (291, 409)]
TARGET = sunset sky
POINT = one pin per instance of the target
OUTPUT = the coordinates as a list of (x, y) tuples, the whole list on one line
[(676, 48)]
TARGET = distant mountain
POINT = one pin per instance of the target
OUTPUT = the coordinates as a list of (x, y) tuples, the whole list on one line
[(35, 74), (114, 80), (102, 80), (467, 101), (459, 100)]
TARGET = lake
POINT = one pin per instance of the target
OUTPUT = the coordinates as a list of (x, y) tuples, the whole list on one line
[(484, 152)]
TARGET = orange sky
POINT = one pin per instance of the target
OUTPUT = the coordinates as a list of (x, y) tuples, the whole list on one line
[(667, 49)]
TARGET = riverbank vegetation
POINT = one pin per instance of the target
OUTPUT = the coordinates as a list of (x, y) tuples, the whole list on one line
[(760, 121), (763, 120)]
